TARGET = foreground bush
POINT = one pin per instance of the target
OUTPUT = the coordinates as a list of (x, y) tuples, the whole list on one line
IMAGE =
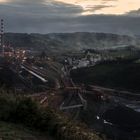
[(24, 110)]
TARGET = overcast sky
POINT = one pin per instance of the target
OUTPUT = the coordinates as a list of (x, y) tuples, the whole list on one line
[(47, 16)]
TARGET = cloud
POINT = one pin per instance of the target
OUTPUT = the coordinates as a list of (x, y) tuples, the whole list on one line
[(102, 23), (109, 0), (37, 16), (97, 7), (42, 7), (47, 16), (134, 13)]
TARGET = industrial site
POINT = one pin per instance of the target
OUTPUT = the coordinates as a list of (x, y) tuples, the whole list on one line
[(97, 88)]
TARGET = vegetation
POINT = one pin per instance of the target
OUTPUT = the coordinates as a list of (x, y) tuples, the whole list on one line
[(22, 110), (121, 75), (12, 131), (67, 41)]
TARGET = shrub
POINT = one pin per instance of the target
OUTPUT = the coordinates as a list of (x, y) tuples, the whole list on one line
[(24, 110), (7, 107)]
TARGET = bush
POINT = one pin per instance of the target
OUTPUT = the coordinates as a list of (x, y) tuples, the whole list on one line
[(24, 110), (7, 107)]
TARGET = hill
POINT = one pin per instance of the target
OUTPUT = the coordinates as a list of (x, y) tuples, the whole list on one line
[(24, 111), (120, 75), (68, 41)]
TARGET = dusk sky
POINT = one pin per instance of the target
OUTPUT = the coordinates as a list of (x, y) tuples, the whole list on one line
[(47, 16)]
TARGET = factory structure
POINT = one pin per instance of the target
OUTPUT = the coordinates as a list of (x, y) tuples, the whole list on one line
[(7, 51)]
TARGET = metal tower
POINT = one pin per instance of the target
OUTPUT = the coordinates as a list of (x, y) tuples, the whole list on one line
[(2, 36)]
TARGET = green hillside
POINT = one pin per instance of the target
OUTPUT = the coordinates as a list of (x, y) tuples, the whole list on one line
[(67, 41), (18, 111), (125, 76)]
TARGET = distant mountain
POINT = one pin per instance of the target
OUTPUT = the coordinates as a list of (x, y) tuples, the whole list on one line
[(67, 41)]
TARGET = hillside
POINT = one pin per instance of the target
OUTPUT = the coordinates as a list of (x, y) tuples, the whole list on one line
[(17, 111), (11, 131), (119, 75), (68, 41)]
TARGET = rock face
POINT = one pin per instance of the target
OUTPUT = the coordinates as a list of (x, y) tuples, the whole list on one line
[(68, 41)]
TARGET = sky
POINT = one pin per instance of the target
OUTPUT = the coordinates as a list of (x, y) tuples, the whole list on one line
[(105, 6), (49, 16)]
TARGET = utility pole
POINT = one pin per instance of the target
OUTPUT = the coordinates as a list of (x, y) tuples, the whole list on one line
[(2, 36)]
